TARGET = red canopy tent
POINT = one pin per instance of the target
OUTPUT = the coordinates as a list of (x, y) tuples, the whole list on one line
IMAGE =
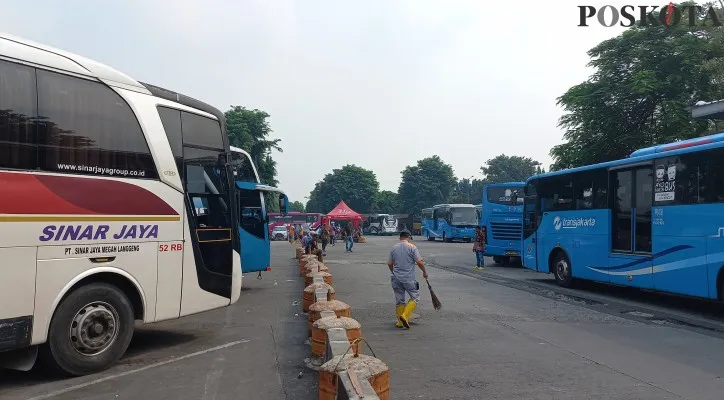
[(343, 213)]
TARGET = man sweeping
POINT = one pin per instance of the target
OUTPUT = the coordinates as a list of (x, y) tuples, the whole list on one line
[(403, 258)]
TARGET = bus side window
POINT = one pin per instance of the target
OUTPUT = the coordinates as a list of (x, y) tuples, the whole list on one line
[(251, 215), (18, 109), (86, 124)]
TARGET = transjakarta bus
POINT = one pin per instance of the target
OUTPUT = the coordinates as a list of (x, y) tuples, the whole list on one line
[(253, 219), (653, 220), (449, 222), (502, 217), (99, 174)]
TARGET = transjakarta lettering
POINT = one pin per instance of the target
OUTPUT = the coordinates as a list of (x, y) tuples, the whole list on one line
[(576, 222), (97, 232)]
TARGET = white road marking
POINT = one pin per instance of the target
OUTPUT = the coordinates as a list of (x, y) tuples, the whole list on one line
[(133, 371), (211, 387)]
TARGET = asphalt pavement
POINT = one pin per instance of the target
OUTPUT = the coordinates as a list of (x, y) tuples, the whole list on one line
[(495, 340), (503, 333), (254, 349)]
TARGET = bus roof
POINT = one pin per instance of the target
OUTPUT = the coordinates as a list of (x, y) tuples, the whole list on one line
[(649, 153), (506, 184), (235, 149), (708, 109), (661, 148), (26, 51), (31, 52)]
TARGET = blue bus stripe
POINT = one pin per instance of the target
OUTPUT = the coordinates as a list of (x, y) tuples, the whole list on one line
[(667, 267), (645, 259)]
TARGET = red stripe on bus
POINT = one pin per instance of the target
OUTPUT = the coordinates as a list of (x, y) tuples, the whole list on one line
[(50, 194), (685, 145)]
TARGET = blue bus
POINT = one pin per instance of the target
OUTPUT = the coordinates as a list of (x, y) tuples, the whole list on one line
[(449, 222), (502, 218), (654, 220), (253, 217)]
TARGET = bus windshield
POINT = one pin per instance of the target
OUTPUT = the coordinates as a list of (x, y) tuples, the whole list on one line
[(463, 216), (242, 166), (505, 195)]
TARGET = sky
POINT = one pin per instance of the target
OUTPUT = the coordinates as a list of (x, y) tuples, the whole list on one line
[(376, 83)]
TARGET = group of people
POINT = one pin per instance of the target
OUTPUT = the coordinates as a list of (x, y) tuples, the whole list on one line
[(326, 234)]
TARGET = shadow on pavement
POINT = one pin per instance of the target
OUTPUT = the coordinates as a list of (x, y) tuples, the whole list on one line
[(145, 340)]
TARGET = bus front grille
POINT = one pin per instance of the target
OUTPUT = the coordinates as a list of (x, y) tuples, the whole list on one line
[(506, 230)]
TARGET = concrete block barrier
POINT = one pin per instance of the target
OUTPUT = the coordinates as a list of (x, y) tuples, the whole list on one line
[(340, 309), (326, 277), (308, 298), (316, 266), (357, 369), (344, 372), (320, 327)]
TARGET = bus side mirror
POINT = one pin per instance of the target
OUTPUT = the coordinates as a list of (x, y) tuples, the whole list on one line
[(283, 204)]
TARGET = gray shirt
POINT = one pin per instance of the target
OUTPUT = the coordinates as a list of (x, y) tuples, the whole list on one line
[(404, 257)]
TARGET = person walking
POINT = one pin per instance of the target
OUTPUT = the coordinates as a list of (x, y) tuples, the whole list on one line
[(402, 260), (479, 247), (349, 239), (325, 239)]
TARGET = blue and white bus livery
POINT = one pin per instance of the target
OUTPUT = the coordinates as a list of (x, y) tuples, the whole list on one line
[(253, 214), (502, 215), (449, 222), (653, 220)]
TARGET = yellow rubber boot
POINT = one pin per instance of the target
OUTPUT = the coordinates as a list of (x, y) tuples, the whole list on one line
[(405, 317), (398, 310)]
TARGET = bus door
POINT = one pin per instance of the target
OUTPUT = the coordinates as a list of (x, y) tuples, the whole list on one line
[(630, 258), (531, 220), (254, 225)]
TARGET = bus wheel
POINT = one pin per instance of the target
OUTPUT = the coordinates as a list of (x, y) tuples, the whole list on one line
[(498, 259), (562, 270), (90, 330)]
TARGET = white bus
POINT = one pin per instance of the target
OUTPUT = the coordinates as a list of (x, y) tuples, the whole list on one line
[(99, 174), (380, 224)]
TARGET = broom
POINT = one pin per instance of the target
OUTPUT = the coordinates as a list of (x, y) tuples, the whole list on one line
[(435, 301)]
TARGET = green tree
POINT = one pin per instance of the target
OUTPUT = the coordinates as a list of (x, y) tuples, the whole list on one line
[(355, 185), (504, 168), (386, 202), (296, 206), (477, 191), (249, 130), (467, 191), (423, 185), (644, 81)]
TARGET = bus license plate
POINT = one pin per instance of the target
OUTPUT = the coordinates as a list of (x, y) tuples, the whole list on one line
[(511, 253)]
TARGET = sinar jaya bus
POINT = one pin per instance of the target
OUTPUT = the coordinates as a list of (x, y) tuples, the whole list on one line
[(653, 220), (99, 174)]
